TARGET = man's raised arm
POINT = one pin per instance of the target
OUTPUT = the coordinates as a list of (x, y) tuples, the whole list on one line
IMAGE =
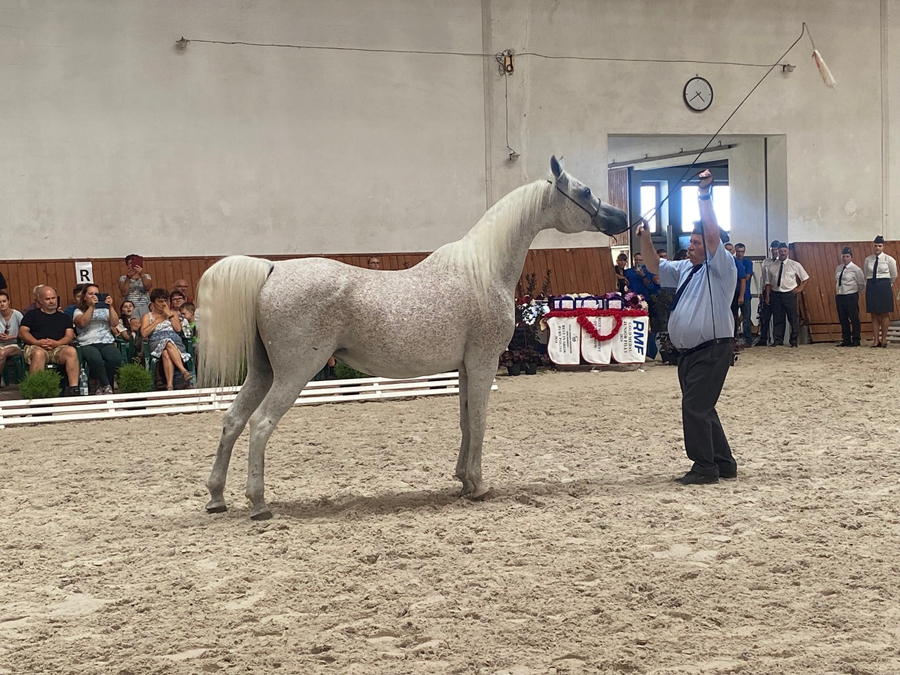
[(708, 215)]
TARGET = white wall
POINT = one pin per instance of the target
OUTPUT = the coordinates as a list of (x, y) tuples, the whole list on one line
[(114, 141), (112, 135)]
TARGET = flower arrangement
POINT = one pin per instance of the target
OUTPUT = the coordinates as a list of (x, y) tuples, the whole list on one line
[(530, 308), (630, 300)]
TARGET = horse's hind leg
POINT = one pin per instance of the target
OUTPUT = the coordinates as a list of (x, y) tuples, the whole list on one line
[(259, 380), (278, 401)]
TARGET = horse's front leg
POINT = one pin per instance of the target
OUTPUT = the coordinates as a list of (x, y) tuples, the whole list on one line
[(463, 458), (480, 372), (276, 403)]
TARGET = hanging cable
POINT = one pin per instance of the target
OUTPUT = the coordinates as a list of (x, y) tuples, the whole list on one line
[(372, 50)]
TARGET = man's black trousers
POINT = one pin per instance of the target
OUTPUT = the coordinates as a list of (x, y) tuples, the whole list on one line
[(701, 375), (848, 314), (784, 305)]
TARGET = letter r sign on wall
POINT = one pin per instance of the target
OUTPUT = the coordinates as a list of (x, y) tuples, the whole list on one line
[(84, 273)]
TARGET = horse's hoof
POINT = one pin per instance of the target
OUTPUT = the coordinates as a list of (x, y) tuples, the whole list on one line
[(262, 515), (216, 508), (481, 496)]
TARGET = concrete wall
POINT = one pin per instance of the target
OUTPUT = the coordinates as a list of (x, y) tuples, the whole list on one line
[(113, 136), (114, 140)]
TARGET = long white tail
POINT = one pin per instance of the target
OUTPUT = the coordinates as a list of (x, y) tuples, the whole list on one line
[(227, 296)]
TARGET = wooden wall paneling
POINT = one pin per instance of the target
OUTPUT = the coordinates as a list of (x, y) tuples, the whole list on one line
[(592, 259), (579, 271), (565, 258), (598, 256), (582, 270), (554, 262)]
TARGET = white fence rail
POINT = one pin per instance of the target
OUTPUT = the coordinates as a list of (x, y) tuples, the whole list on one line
[(72, 409)]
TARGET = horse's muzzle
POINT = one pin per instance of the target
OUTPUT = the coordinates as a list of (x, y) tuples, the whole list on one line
[(610, 220)]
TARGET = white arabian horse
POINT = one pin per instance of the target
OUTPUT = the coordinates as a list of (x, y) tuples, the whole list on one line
[(454, 310)]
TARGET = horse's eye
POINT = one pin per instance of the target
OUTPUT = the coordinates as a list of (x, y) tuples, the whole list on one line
[(586, 192)]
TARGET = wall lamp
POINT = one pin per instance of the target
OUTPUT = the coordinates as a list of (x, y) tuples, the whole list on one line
[(785, 67)]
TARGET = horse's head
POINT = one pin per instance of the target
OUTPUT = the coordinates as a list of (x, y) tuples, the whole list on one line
[(580, 210)]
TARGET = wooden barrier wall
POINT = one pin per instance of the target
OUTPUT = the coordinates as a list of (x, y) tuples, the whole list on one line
[(817, 305), (575, 270)]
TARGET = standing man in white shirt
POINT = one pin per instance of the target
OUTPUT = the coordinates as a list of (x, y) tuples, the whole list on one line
[(849, 281), (701, 327), (783, 288), (881, 274)]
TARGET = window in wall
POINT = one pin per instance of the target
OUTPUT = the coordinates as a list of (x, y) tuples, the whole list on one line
[(649, 202), (690, 208)]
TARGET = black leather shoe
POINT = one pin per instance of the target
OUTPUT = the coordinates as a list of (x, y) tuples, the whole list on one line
[(728, 475), (854, 344), (794, 345), (693, 478), (843, 344)]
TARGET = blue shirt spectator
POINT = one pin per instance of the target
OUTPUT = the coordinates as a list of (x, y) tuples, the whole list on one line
[(640, 280)]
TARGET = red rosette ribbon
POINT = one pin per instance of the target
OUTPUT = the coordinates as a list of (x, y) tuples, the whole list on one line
[(584, 315)]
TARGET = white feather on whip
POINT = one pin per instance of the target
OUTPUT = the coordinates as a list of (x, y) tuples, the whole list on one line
[(827, 77)]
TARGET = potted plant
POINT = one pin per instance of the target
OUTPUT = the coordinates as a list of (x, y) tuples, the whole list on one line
[(134, 379), (41, 384), (531, 359), (511, 361)]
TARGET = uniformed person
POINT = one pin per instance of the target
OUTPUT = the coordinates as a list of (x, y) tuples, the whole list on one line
[(849, 280), (783, 288), (881, 273), (701, 327)]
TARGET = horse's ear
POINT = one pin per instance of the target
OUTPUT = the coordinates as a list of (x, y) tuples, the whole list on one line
[(555, 167)]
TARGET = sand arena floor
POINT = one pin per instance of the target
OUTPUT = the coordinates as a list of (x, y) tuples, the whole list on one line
[(589, 559)]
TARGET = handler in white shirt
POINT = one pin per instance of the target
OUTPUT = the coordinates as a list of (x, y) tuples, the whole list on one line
[(849, 281), (784, 285), (881, 273)]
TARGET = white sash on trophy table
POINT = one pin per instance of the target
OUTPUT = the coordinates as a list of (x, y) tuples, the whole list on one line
[(629, 345), (593, 350), (564, 347)]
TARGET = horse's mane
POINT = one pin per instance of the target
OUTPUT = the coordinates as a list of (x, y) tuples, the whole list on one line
[(480, 255)]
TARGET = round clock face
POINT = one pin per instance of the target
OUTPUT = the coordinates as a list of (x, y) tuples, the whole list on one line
[(698, 94)]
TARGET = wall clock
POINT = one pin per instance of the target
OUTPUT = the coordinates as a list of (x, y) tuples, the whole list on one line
[(698, 94)]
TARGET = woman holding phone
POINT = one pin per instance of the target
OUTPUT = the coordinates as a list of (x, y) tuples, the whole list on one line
[(95, 325), (135, 286), (161, 328)]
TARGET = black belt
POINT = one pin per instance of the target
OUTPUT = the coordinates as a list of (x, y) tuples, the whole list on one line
[(705, 345)]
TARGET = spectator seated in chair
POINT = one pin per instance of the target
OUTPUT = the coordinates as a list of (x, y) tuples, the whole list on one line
[(188, 326), (10, 320), (36, 303), (176, 302), (48, 335), (95, 322), (77, 292), (161, 328), (181, 285)]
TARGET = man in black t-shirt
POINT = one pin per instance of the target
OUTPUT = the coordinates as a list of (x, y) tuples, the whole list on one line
[(48, 335), (3, 288)]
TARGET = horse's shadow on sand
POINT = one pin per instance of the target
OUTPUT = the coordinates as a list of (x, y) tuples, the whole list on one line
[(532, 494)]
